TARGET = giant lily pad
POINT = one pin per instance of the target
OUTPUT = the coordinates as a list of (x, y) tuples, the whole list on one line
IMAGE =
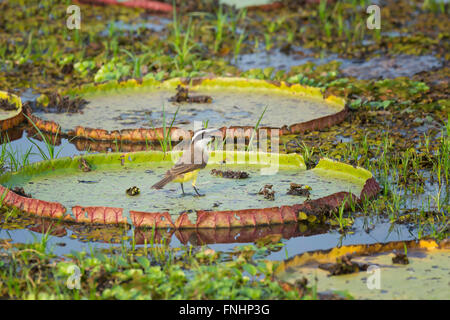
[(130, 111), (228, 203), (10, 118), (425, 277)]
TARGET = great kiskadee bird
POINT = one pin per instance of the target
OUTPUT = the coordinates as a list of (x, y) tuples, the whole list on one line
[(194, 157)]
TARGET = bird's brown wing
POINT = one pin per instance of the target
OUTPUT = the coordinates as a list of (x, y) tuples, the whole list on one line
[(187, 163), (175, 171), (184, 168)]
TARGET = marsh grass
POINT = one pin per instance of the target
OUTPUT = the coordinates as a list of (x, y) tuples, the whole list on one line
[(238, 44), (406, 177), (138, 62), (182, 49), (237, 18), (166, 140), (307, 152), (14, 158), (255, 130), (221, 19), (344, 223), (49, 153), (435, 6)]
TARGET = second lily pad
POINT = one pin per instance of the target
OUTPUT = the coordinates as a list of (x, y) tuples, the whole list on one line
[(137, 112)]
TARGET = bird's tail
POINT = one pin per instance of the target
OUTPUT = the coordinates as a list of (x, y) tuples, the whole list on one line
[(162, 183)]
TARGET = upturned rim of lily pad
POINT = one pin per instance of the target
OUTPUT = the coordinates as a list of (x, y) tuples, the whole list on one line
[(145, 135), (204, 218), (330, 255), (358, 250), (17, 117)]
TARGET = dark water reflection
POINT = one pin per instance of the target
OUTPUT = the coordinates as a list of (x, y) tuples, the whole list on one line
[(297, 238)]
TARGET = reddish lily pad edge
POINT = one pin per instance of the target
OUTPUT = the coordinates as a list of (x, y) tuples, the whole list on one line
[(17, 118), (145, 135), (205, 219)]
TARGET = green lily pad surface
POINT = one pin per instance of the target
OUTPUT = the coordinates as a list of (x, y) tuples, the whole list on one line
[(126, 109), (64, 182), (7, 114), (425, 277)]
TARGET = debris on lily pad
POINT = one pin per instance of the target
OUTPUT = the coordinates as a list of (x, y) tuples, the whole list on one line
[(133, 191), (343, 265), (57, 103), (182, 95), (87, 181), (268, 193), (400, 258), (299, 190), (84, 165), (230, 174), (21, 192)]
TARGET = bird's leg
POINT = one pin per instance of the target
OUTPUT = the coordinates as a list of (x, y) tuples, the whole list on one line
[(196, 191), (193, 186), (182, 189)]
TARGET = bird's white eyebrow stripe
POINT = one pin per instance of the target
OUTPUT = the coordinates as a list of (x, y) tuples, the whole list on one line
[(195, 135), (201, 132)]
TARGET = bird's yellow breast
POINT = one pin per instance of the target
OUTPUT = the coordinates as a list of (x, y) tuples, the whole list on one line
[(187, 177)]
